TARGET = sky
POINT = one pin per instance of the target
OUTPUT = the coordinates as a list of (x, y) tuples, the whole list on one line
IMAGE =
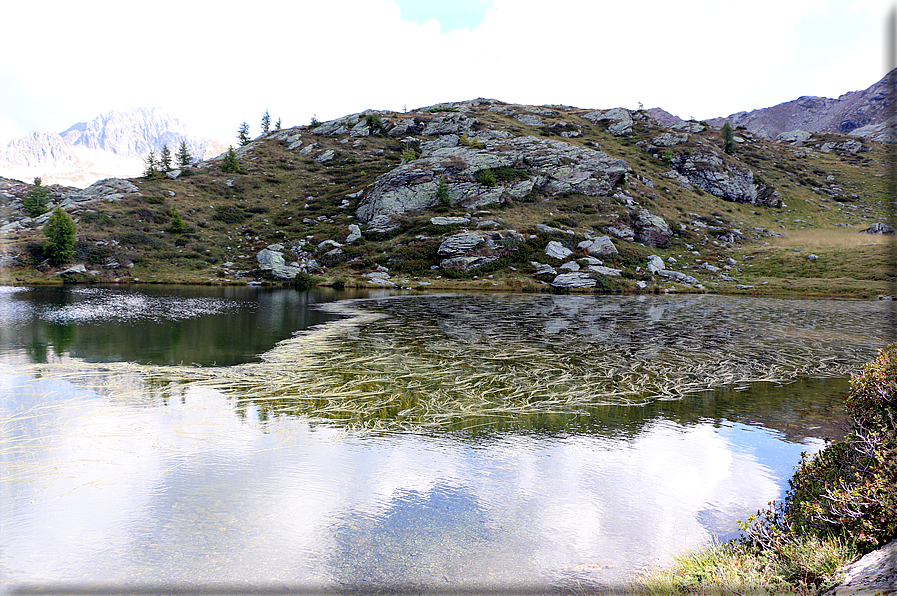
[(216, 64)]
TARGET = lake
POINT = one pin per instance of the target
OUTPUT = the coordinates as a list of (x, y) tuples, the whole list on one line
[(227, 439)]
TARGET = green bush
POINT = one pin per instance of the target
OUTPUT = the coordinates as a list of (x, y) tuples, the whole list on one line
[(849, 489), (485, 177), (177, 224)]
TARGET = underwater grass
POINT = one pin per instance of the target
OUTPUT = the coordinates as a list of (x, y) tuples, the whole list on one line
[(442, 362)]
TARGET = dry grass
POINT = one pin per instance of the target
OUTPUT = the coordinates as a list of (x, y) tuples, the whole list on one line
[(836, 237)]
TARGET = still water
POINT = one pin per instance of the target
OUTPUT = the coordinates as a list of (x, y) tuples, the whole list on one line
[(238, 438)]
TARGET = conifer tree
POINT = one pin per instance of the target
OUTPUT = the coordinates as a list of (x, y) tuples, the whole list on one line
[(60, 233), (230, 163), (184, 158), (243, 134), (728, 139), (35, 202), (150, 172), (266, 123), (177, 224), (165, 159)]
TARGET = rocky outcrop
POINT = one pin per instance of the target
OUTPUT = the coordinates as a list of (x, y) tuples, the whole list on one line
[(713, 174), (618, 121), (516, 167)]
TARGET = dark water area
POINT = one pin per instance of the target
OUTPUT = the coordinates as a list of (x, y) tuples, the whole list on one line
[(206, 326), (338, 442)]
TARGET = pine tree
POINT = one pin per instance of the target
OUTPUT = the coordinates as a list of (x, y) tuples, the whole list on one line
[(150, 172), (165, 159), (728, 139), (230, 163), (60, 233), (243, 134), (266, 123), (177, 224), (277, 124), (184, 158), (35, 202)]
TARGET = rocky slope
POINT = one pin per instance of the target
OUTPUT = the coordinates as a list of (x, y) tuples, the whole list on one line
[(484, 194), (858, 113), (112, 145)]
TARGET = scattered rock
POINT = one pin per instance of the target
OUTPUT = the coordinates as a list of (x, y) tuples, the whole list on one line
[(543, 229), (354, 233), (173, 174), (467, 263), (599, 247), (570, 266), (326, 156), (79, 268), (270, 257), (622, 231), (557, 250), (543, 269), (678, 276), (576, 279), (379, 278), (449, 221), (878, 228), (655, 264), (460, 243), (795, 137), (606, 270)]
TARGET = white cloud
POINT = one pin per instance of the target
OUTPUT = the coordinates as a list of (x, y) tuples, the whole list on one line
[(214, 65)]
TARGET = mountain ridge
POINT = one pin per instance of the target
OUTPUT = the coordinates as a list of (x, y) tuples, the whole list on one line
[(861, 113), (112, 145)]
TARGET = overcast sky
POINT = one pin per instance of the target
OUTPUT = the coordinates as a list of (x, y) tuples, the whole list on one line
[(216, 64)]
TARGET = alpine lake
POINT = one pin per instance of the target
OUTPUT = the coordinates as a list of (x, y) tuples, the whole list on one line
[(168, 439)]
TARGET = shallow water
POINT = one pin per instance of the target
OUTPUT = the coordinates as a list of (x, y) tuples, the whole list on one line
[(122, 474)]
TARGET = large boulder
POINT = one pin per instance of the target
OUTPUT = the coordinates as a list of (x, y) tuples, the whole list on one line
[(649, 229), (599, 247)]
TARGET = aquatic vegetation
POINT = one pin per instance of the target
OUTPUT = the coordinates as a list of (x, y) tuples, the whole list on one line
[(442, 361)]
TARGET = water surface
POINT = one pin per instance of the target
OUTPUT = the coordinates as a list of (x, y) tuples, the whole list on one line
[(568, 473)]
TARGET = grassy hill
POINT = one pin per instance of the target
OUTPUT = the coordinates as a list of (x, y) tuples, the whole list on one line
[(299, 189)]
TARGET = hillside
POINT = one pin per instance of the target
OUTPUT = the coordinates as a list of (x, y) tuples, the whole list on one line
[(111, 145), (487, 195)]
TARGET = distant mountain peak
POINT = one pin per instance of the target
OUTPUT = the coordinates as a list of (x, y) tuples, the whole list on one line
[(113, 144)]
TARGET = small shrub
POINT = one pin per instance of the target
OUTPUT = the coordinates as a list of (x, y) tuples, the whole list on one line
[(230, 214), (485, 177), (442, 195), (409, 154)]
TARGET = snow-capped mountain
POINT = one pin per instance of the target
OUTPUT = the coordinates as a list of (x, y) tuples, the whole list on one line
[(112, 145)]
